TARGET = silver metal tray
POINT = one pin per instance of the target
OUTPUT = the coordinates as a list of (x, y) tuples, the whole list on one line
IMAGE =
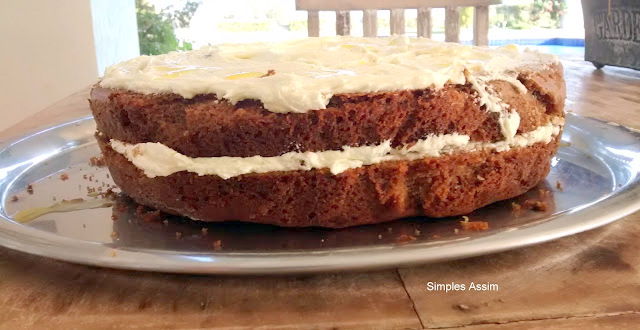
[(598, 169)]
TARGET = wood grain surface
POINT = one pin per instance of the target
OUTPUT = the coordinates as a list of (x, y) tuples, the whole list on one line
[(586, 280)]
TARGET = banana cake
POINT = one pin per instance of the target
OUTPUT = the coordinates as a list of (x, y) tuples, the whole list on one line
[(332, 131)]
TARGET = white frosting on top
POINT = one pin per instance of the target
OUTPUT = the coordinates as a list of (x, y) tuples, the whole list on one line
[(308, 72), (156, 159)]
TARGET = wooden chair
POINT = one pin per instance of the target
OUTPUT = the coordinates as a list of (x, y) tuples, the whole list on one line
[(370, 14)]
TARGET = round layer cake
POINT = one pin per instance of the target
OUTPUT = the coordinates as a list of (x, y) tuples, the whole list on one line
[(330, 132)]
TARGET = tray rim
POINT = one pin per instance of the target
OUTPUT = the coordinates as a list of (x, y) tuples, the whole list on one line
[(622, 202)]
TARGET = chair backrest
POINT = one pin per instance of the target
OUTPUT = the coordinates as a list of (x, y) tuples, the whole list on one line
[(397, 24)]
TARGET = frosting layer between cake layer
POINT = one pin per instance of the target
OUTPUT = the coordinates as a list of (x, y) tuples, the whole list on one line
[(156, 159)]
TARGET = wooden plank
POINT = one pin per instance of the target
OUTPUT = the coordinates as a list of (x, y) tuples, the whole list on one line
[(370, 22), (481, 26), (397, 21), (334, 5), (313, 23), (586, 274), (42, 293), (614, 89), (452, 24), (424, 22), (612, 321), (343, 23)]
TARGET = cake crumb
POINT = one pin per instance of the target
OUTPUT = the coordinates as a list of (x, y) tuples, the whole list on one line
[(535, 205), (84, 225), (204, 231), (151, 216), (64, 176), (30, 189), (178, 235), (465, 218), (379, 236), (269, 73), (113, 235), (96, 161), (543, 193), (416, 232), (165, 222), (462, 307), (559, 185), (14, 198), (109, 194), (474, 225), (436, 236), (217, 245), (390, 230), (480, 178), (113, 253), (516, 208), (456, 230), (404, 238)]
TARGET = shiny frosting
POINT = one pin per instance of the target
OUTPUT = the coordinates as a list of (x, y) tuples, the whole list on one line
[(156, 159)]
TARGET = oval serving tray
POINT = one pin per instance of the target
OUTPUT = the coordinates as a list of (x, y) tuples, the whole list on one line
[(597, 168)]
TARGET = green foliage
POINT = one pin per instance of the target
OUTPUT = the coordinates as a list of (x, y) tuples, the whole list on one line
[(156, 28), (181, 17), (540, 13), (466, 17), (300, 25), (548, 12), (512, 17)]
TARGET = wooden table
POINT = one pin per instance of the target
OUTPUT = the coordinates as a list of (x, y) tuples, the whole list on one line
[(584, 280)]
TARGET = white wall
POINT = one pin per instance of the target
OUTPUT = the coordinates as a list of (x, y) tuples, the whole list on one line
[(48, 49), (574, 18), (115, 31), (47, 52)]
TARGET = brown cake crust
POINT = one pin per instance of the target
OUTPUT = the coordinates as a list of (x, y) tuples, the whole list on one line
[(207, 127), (436, 187)]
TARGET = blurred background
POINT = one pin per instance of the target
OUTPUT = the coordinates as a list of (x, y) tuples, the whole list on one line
[(54, 48)]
